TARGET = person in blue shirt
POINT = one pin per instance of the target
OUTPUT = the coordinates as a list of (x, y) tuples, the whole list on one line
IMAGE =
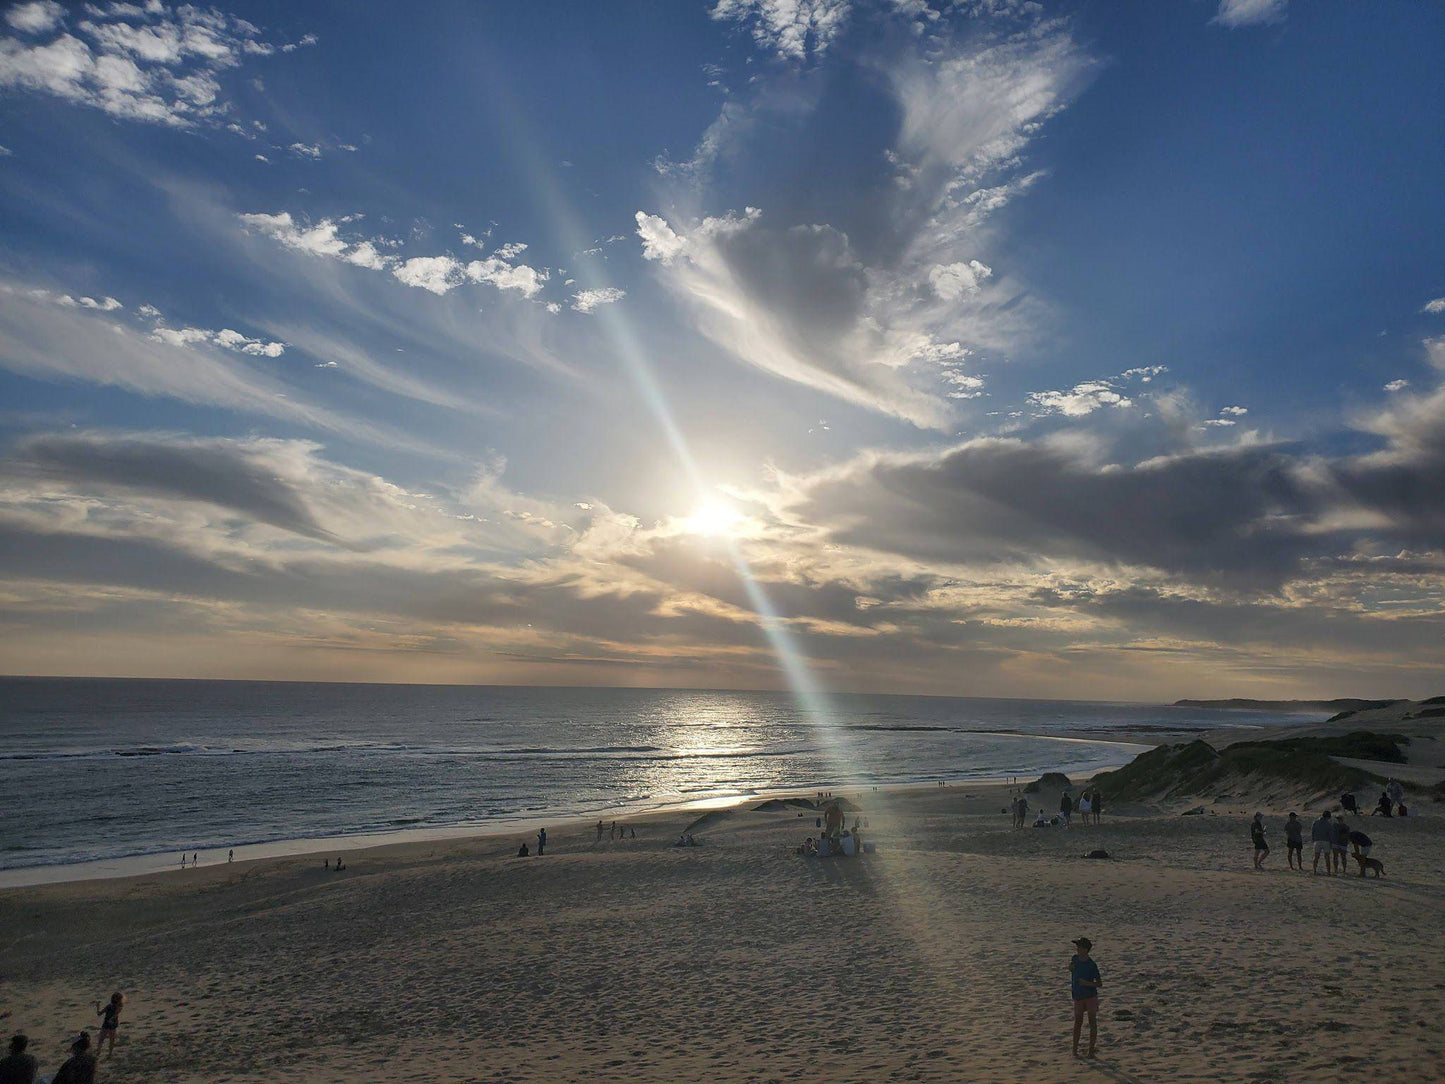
[(1084, 983)]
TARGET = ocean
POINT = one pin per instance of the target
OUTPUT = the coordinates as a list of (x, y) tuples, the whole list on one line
[(95, 771)]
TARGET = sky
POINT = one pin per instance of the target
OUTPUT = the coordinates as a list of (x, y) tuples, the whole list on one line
[(966, 347)]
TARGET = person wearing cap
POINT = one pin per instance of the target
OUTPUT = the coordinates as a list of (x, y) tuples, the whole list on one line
[(1084, 983)]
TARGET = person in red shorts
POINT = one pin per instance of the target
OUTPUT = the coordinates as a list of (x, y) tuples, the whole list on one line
[(1084, 983)]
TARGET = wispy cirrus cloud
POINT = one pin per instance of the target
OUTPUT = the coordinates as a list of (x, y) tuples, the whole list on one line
[(878, 304), (1237, 13)]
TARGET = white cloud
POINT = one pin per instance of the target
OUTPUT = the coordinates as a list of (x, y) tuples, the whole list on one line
[(869, 305), (1233, 13), (953, 280), (1081, 399), (306, 150), (962, 385), (226, 338), (591, 300), (1435, 307), (1397, 385), (36, 17), (437, 274), (49, 340), (162, 71), (504, 276), (792, 29), (1145, 374), (261, 158), (1222, 422), (1236, 411)]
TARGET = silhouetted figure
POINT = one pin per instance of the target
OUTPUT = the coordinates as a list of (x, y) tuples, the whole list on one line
[(110, 1023), (230, 856), (79, 1068), (541, 842), (1382, 807), (18, 1067), (522, 851)]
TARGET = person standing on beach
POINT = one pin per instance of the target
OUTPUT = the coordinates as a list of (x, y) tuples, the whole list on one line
[(1098, 805), (79, 1068), (18, 1067), (541, 842), (599, 831), (1322, 835), (1084, 983), (1294, 842), (1340, 851), (1066, 808), (110, 1023), (1256, 836)]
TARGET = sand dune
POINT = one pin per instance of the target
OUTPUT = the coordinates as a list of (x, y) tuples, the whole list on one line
[(939, 959)]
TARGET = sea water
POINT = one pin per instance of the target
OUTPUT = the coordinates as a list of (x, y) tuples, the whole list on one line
[(106, 769)]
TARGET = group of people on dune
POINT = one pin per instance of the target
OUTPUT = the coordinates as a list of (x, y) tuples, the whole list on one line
[(1090, 804), (1332, 838)]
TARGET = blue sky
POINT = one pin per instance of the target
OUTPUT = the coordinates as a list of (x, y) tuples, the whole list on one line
[(1007, 348)]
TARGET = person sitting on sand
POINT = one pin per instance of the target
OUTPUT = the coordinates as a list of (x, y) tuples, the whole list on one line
[(1041, 821), (1084, 983), (1294, 841), (111, 1022), (18, 1067), (522, 851), (79, 1068), (1322, 835), (1256, 836), (1347, 803), (1382, 806)]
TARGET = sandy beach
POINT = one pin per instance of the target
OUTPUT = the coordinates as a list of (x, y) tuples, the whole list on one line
[(940, 957)]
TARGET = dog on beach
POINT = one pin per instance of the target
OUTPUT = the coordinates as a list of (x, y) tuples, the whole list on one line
[(1370, 864)]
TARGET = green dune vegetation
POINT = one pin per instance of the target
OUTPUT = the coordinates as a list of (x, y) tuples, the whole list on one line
[(1302, 765)]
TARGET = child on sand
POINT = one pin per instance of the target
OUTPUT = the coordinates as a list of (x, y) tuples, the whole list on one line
[(1084, 983), (111, 1022)]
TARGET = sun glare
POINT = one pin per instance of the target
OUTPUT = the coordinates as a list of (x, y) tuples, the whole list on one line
[(715, 518)]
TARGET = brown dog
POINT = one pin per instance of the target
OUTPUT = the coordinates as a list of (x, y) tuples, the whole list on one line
[(1370, 863)]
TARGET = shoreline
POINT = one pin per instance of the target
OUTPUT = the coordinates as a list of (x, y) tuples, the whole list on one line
[(159, 863)]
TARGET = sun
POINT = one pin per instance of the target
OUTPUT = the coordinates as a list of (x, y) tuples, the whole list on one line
[(714, 518)]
